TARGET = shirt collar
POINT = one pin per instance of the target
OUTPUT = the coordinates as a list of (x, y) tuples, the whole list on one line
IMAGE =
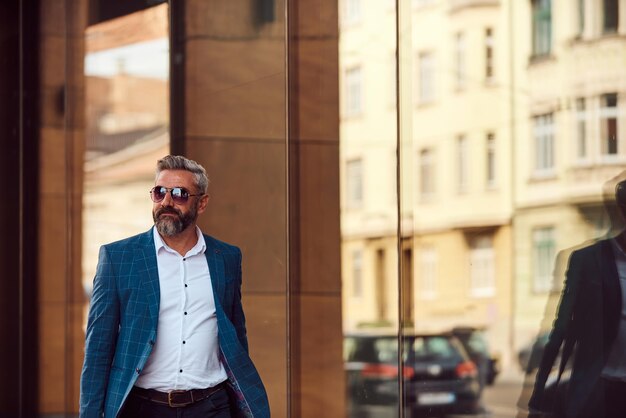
[(159, 244)]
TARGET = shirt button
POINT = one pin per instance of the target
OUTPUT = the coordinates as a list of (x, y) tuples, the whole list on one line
[(184, 342), (184, 259), (185, 284), (181, 370), (185, 313)]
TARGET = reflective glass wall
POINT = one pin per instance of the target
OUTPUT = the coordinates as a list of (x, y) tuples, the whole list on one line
[(406, 179), (504, 161)]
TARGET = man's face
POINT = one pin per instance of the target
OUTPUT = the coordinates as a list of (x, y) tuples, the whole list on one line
[(171, 218)]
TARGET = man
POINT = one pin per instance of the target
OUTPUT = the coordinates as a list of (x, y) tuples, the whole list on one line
[(166, 332), (591, 322)]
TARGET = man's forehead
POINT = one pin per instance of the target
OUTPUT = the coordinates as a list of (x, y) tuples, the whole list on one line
[(183, 176)]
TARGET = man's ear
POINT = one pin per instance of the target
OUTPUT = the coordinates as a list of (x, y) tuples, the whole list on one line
[(203, 203)]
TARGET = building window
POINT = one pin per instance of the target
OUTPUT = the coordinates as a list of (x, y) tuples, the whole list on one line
[(482, 267), (352, 11), (544, 145), (407, 287), (354, 186), (489, 58), (353, 91), (357, 273), (459, 58), (543, 254), (428, 273), (491, 160), (381, 285), (426, 82), (427, 173), (542, 27), (608, 125), (581, 17), (463, 171), (581, 129), (610, 21)]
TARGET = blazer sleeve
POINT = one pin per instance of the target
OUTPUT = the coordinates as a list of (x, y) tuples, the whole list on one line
[(561, 329), (237, 316), (101, 338)]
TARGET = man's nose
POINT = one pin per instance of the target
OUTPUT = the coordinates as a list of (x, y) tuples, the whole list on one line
[(167, 200)]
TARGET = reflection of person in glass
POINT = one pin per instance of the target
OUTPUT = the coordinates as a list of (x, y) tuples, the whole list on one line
[(591, 321), (166, 331)]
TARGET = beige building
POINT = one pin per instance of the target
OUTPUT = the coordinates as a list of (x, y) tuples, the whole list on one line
[(571, 143), (456, 219), (368, 164), (516, 132)]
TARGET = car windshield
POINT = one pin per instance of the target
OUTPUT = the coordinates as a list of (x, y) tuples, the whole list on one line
[(434, 348), (373, 350), (477, 344)]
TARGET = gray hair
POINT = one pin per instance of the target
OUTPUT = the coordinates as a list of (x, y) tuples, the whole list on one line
[(178, 162)]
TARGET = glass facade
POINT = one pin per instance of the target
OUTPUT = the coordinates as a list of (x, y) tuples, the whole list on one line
[(407, 180)]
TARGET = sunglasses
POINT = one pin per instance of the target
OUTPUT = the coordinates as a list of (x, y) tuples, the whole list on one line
[(179, 195)]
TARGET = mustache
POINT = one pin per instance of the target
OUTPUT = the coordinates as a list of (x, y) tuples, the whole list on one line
[(173, 211)]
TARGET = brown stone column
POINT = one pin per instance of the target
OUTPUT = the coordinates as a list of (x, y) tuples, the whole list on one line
[(316, 373), (270, 145), (235, 125), (61, 133)]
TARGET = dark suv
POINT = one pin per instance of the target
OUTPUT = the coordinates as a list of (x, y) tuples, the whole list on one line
[(475, 344), (438, 375)]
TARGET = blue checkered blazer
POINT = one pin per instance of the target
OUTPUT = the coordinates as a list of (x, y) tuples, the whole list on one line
[(122, 326)]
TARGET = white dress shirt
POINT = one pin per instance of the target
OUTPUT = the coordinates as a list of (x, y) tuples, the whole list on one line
[(186, 351)]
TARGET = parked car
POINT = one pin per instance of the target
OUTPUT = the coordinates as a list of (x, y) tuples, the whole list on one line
[(439, 377), (474, 342)]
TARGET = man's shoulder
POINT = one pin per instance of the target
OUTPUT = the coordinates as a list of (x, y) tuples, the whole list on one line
[(222, 246), (596, 249), (143, 238), (592, 247)]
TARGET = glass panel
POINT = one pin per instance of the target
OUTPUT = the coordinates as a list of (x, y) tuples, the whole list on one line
[(127, 126), (538, 158), (456, 206), (410, 183), (369, 241)]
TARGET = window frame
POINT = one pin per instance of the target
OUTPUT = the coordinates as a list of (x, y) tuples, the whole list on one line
[(353, 105), (355, 190), (543, 241), (609, 121), (541, 14), (482, 261), (544, 141), (427, 166)]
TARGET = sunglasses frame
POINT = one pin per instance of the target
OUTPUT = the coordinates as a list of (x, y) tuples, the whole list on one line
[(179, 199)]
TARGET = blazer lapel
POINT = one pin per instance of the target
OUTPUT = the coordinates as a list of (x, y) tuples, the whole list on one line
[(612, 293), (149, 273), (216, 268)]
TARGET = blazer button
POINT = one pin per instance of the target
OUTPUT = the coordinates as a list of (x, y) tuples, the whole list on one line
[(151, 342), (137, 370), (217, 251)]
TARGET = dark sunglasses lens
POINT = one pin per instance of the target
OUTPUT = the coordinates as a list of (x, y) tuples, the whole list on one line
[(158, 193), (179, 195)]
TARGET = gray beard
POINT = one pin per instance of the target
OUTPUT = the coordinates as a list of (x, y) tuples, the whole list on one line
[(169, 226)]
